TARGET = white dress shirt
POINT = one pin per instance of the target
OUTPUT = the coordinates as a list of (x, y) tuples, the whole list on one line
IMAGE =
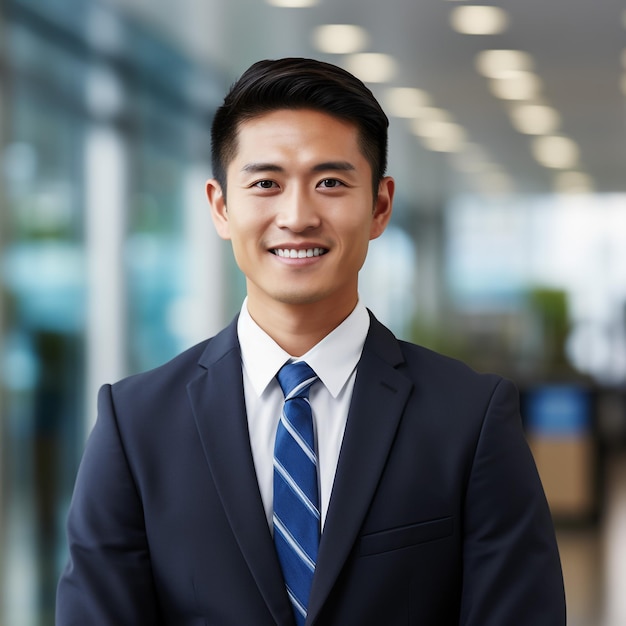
[(334, 360)]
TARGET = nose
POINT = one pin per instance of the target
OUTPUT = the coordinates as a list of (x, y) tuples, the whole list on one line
[(297, 211)]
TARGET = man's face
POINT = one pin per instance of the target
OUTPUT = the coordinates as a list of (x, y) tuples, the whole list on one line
[(300, 211)]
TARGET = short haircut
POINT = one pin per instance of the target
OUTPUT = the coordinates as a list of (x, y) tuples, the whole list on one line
[(296, 83)]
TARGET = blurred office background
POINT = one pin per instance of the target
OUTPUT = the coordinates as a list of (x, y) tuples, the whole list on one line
[(507, 248)]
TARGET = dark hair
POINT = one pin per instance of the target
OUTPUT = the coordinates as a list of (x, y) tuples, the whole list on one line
[(295, 83)]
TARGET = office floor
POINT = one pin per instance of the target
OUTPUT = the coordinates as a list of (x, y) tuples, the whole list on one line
[(594, 559)]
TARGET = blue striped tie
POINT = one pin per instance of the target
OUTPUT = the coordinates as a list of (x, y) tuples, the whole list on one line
[(296, 500)]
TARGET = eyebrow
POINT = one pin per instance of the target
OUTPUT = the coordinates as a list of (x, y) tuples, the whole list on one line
[(337, 166), (253, 168)]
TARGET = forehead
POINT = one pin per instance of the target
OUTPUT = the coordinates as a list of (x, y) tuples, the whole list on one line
[(308, 127)]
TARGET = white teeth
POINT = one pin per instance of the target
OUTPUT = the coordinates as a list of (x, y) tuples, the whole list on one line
[(299, 254)]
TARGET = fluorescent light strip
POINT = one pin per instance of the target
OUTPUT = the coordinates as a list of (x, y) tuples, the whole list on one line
[(479, 20), (440, 136), (573, 182), (498, 63), (534, 119), (340, 38), (433, 114), (406, 101), (372, 67), (555, 152), (472, 159), (516, 85), (292, 4)]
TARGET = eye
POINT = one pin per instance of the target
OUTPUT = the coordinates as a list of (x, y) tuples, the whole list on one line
[(330, 183), (265, 184)]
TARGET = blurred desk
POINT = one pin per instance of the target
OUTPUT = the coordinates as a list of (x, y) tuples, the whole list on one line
[(561, 426)]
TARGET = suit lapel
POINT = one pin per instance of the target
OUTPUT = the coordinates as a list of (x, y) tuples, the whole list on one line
[(219, 409), (379, 397)]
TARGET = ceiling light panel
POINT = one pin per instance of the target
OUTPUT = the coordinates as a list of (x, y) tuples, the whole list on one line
[(406, 101), (472, 159), (340, 38), (450, 143), (498, 63), (292, 4), (555, 152), (433, 114), (428, 128), (479, 20), (440, 136), (535, 119), (372, 67), (516, 85), (573, 182)]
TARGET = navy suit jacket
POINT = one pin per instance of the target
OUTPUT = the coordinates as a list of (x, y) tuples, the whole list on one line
[(437, 516)]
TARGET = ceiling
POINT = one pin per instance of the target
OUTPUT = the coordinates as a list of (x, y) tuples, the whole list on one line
[(577, 50)]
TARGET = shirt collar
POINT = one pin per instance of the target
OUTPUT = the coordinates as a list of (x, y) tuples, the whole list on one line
[(333, 359)]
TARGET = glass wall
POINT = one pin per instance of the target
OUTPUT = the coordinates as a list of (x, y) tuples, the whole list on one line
[(105, 242), (157, 256), (548, 272), (44, 319)]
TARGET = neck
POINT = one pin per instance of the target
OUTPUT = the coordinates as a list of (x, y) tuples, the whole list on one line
[(296, 328)]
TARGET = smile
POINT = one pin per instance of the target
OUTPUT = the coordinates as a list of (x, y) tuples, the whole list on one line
[(290, 253)]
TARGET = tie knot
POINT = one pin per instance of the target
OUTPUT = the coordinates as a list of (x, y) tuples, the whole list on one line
[(295, 379)]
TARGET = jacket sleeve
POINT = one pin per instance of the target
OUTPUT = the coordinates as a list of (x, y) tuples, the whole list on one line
[(108, 577), (511, 567)]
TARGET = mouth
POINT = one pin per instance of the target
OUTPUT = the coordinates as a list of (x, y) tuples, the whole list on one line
[(292, 253)]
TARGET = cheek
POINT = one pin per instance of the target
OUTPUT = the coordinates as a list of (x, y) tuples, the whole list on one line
[(242, 255), (245, 235), (358, 229)]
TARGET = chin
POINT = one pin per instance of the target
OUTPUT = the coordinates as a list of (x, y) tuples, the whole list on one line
[(297, 298), (300, 297)]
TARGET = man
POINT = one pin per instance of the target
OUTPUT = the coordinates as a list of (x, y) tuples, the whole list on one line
[(192, 505)]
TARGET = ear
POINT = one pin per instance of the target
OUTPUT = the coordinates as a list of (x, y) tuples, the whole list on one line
[(219, 213), (382, 207)]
